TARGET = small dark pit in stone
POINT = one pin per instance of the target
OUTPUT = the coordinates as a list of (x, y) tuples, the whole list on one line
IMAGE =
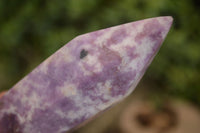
[(83, 53)]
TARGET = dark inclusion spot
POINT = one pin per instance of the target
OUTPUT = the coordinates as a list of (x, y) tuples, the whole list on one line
[(9, 124), (83, 53)]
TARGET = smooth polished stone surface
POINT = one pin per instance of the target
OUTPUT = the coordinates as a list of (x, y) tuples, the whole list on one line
[(84, 77)]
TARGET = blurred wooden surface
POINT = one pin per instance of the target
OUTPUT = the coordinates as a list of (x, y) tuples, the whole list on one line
[(139, 114)]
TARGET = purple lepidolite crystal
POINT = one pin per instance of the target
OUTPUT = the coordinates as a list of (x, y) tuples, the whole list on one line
[(84, 77)]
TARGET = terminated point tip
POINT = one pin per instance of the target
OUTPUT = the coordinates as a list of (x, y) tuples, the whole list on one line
[(170, 18), (168, 21)]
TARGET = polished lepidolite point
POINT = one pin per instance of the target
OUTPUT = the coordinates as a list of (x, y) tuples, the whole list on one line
[(83, 78)]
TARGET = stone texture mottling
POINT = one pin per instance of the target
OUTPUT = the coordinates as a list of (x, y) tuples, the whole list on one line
[(84, 77)]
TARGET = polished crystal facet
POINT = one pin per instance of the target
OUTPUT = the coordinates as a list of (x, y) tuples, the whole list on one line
[(83, 78)]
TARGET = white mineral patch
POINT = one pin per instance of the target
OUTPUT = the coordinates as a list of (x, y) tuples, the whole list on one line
[(68, 89)]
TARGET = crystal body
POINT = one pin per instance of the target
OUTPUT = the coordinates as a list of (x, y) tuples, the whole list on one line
[(84, 77)]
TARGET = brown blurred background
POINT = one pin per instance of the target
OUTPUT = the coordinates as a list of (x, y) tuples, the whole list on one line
[(167, 100)]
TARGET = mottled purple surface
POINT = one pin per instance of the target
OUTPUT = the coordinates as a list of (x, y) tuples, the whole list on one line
[(84, 77)]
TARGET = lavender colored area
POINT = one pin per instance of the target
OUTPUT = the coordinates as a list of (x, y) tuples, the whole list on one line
[(83, 78)]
